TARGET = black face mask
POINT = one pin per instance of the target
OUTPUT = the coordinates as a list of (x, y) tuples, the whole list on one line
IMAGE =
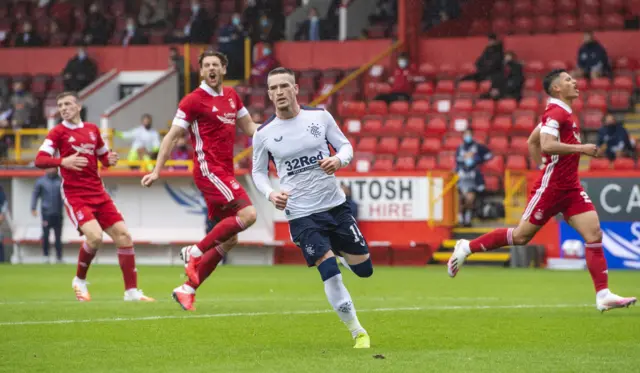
[(182, 148)]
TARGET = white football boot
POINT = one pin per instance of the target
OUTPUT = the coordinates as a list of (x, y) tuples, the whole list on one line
[(136, 295), (606, 300), (80, 288), (460, 254)]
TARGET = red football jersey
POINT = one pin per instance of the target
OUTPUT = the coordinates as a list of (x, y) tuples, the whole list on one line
[(560, 171), (66, 139), (210, 118)]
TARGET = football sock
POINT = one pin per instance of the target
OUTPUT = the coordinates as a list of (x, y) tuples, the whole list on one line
[(495, 239), (209, 262), (127, 260), (597, 264), (222, 231), (85, 257), (339, 296)]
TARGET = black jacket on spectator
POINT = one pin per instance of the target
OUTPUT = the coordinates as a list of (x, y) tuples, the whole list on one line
[(303, 30), (82, 72), (511, 81), (137, 38), (97, 29), (590, 55), (490, 61), (28, 39), (200, 32)]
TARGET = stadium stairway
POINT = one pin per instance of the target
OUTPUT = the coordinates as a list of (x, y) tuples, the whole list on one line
[(500, 257)]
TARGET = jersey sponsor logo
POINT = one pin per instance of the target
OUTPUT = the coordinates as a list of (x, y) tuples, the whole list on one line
[(229, 118), (314, 129), (302, 164), (84, 148), (180, 114)]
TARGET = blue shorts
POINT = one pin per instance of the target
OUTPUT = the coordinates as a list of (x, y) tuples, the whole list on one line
[(335, 230)]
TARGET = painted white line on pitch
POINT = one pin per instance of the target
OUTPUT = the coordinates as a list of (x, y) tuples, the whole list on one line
[(285, 313)]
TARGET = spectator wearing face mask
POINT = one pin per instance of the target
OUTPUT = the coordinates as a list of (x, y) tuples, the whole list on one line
[(312, 29), (146, 141), (401, 81), (469, 156), (79, 72), (132, 35), (231, 42), (28, 37), (614, 140), (263, 65), (197, 30), (264, 31)]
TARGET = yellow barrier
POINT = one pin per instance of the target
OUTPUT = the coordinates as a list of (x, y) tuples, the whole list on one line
[(434, 200), (187, 68), (515, 196), (148, 165)]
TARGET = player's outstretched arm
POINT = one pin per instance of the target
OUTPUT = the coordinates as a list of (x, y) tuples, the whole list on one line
[(535, 150), (168, 143)]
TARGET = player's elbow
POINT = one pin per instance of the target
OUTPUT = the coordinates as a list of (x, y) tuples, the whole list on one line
[(546, 146)]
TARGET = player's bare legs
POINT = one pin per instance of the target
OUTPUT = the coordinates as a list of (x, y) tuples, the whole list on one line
[(93, 240), (493, 240), (359, 264), (587, 225), (127, 260), (340, 299)]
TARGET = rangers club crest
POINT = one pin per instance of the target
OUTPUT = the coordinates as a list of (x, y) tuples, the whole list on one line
[(233, 104), (314, 130)]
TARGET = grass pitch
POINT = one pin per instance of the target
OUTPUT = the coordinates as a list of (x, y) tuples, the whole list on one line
[(276, 319)]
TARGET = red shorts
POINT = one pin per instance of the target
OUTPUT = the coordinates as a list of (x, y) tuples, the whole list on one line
[(545, 203), (224, 196), (84, 209)]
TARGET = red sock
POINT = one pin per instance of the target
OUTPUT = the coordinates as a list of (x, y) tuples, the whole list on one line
[(597, 265), (209, 262), (127, 260), (84, 260), (221, 232), (495, 239)]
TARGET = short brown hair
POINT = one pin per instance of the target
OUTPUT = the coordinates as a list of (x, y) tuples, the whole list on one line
[(213, 53), (281, 70), (67, 93)]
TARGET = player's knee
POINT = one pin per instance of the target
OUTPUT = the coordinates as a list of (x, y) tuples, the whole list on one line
[(594, 235), (230, 243), (248, 215), (94, 239), (521, 238), (328, 268), (364, 269)]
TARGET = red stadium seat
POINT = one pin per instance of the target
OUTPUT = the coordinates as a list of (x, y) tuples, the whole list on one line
[(534, 67), (352, 109), (519, 145), (590, 6), (399, 108), (479, 27), (522, 8), (624, 164), (393, 126), (445, 86), (424, 88), (501, 125), (446, 162), (485, 86), (623, 83), (492, 183), (544, 8), (583, 84), (409, 145), (544, 25), (405, 164), (377, 108), (467, 68), (625, 65), (431, 145), (494, 166), (485, 106), (522, 25), (498, 144), (533, 83), (592, 119), (530, 103), (633, 7), (367, 145), (524, 125), (384, 164), (556, 64), (468, 86), (619, 100), (415, 126), (420, 107), (480, 124), (388, 145), (567, 23), (426, 163), (597, 102), (462, 105), (601, 84), (599, 164), (590, 21), (516, 162), (506, 106), (427, 70), (566, 6), (451, 143), (612, 6), (501, 26), (503, 8), (372, 127), (446, 71), (577, 105), (612, 22), (437, 126)]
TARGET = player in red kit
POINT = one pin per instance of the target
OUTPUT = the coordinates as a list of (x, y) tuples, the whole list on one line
[(76, 147), (557, 143), (210, 114)]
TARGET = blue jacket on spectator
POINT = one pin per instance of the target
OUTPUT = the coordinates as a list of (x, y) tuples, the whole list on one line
[(47, 188), (616, 138), (470, 177), (592, 55)]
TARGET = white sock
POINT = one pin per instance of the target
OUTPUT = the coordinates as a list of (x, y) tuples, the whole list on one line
[(340, 300), (188, 289), (602, 293), (194, 251)]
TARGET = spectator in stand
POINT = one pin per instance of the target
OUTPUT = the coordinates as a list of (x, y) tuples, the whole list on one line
[(312, 29), (509, 84), (198, 28), (490, 62), (401, 81), (250, 15), (47, 190), (96, 30), (439, 11), (23, 104), (469, 156), (28, 37), (593, 61), (262, 66), (385, 12), (132, 35), (264, 31), (614, 140), (153, 14), (79, 72), (146, 141), (231, 43), (181, 152), (62, 12)]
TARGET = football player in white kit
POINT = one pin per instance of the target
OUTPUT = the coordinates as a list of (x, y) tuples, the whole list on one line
[(297, 140)]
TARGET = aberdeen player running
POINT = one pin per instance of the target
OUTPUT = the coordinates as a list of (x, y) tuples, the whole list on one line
[(210, 114), (80, 146), (557, 190)]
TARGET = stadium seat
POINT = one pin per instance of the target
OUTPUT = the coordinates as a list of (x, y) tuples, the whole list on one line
[(377, 108), (420, 107), (481, 124), (462, 106), (467, 68), (556, 64), (445, 86), (592, 120), (619, 100), (383, 164), (468, 87), (633, 7), (409, 145), (446, 71), (624, 164), (405, 164), (484, 86), (424, 90), (427, 70), (431, 145), (612, 22), (544, 8), (501, 124), (522, 25), (524, 125), (352, 126), (372, 127), (590, 21), (494, 166), (479, 27), (530, 103), (437, 126), (451, 143), (601, 84), (582, 84), (426, 163), (567, 23), (415, 126), (399, 108), (612, 6), (625, 65), (502, 7), (498, 144), (534, 68), (485, 106), (501, 26), (506, 106), (590, 6), (596, 102), (352, 109), (516, 162), (599, 164), (519, 145), (544, 25), (393, 126), (492, 183), (533, 83), (566, 6), (446, 162), (388, 145), (577, 105), (367, 145), (623, 83)]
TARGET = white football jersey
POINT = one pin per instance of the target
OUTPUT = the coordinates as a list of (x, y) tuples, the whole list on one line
[(295, 146)]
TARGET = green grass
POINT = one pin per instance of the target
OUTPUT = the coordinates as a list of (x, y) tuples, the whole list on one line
[(261, 319)]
